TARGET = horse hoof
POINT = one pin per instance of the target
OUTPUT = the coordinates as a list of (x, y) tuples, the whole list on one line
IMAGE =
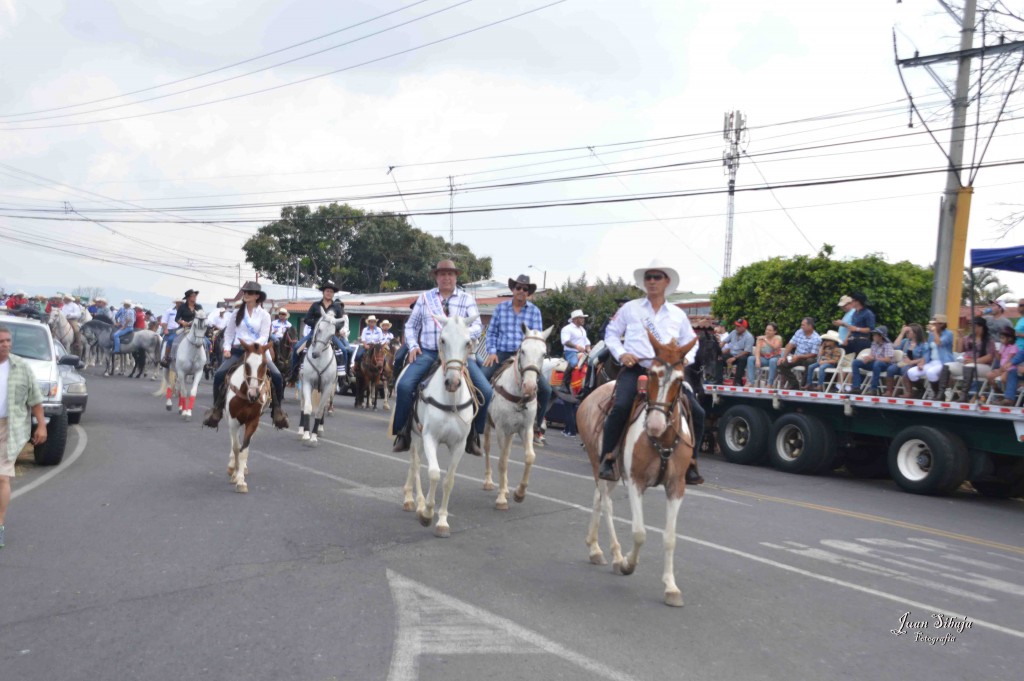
[(305, 436), (517, 497), (622, 568), (674, 598), (408, 506), (187, 417), (424, 520), (501, 505), (387, 407), (442, 532), (242, 488), (489, 486), (598, 559)]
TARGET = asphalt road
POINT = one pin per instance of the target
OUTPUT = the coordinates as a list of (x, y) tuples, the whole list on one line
[(137, 560)]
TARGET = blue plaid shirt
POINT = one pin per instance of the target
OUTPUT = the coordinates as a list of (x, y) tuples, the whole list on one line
[(505, 332), (804, 344), (125, 317), (421, 331)]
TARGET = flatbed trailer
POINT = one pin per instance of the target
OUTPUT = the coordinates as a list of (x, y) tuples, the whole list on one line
[(926, 446)]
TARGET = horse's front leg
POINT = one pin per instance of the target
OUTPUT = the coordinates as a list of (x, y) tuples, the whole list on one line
[(425, 508), (192, 393), (243, 455), (235, 447), (615, 546), (488, 481), (527, 435), (636, 506), (307, 411), (441, 529), (409, 502), (593, 541), (505, 448), (673, 596)]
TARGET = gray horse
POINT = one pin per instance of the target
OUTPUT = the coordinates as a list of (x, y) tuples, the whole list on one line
[(99, 335)]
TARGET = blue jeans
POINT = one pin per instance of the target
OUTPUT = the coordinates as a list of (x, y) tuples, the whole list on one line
[(117, 337), (821, 376), (237, 353), (752, 373), (1012, 378), (543, 386), (875, 366), (415, 373)]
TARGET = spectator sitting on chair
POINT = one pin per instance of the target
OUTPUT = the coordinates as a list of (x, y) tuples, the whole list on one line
[(878, 360), (998, 320), (801, 350), (860, 326), (738, 345), (1004, 357), (1010, 397), (767, 350), (976, 363), (911, 342), (940, 351), (829, 354)]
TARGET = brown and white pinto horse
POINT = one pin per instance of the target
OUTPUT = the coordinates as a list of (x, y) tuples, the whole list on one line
[(249, 393), (657, 450), (368, 375)]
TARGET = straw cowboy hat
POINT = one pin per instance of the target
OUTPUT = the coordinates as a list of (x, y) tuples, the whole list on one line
[(522, 280), (385, 323), (831, 335), (371, 318), (253, 287), (282, 311), (138, 306), (658, 265), (577, 313), (20, 292), (126, 302), (446, 266), (68, 296)]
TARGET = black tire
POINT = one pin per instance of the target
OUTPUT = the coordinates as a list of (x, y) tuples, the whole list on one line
[(51, 452), (802, 444), (743, 435), (927, 460), (74, 418)]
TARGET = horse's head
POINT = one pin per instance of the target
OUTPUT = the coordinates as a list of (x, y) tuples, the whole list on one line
[(453, 347), (530, 357), (664, 381), (379, 352), (199, 324), (323, 332), (254, 364)]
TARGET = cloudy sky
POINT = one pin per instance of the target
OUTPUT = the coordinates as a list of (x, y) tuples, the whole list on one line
[(140, 131)]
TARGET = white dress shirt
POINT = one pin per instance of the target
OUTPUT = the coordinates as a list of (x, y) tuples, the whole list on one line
[(574, 337), (255, 328), (627, 331), (219, 320), (73, 311), (170, 318)]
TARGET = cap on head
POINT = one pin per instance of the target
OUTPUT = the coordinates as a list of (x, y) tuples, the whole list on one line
[(742, 324), (845, 300)]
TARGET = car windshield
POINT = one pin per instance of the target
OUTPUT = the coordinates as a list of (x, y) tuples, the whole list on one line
[(30, 342)]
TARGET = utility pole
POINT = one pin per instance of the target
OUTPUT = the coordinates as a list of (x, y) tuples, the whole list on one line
[(733, 128)]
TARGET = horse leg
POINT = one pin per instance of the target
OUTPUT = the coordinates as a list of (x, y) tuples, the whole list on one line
[(408, 501), (233, 456), (527, 436), (673, 596), (425, 509), (593, 544), (441, 529), (313, 432), (636, 506), (488, 482), (243, 457), (615, 546)]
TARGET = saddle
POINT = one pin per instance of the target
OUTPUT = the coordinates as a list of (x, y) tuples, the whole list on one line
[(605, 407), (127, 338)]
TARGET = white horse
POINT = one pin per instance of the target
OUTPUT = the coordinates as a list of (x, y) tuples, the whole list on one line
[(514, 410), (250, 385), (187, 363), (319, 372), (443, 414)]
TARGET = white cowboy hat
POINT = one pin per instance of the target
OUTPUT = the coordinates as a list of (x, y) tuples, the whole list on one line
[(68, 296), (126, 302), (282, 311), (831, 335), (371, 318), (20, 292), (139, 306), (385, 323), (577, 313), (673, 276)]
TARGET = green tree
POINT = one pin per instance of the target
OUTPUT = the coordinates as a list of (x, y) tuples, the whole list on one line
[(986, 286), (785, 290), (597, 300), (361, 251)]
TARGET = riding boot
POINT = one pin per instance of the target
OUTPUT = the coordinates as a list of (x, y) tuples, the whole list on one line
[(213, 416), (890, 386), (166, 361), (403, 438), (277, 414), (908, 386), (473, 443), (693, 476), (607, 470), (940, 390)]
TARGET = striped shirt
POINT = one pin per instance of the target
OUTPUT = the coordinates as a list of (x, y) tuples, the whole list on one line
[(22, 394), (804, 344), (505, 332), (125, 317), (422, 330)]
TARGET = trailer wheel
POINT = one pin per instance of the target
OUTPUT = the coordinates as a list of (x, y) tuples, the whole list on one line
[(743, 434), (803, 444), (927, 460)]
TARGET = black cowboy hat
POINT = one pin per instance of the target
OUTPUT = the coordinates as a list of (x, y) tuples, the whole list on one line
[(328, 284), (254, 287), (522, 280), (190, 292)]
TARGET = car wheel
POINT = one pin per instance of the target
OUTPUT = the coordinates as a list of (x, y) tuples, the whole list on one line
[(75, 417), (51, 452)]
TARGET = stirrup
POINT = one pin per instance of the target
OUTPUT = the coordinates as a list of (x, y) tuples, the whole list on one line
[(607, 470)]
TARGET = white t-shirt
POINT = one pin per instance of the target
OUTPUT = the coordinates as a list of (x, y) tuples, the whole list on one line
[(5, 372)]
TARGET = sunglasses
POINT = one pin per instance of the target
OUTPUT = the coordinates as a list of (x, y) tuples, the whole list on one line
[(522, 288), (654, 276)]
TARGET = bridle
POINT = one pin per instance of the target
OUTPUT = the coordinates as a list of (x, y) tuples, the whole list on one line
[(521, 399), (664, 451), (520, 367), (247, 377), (193, 334)]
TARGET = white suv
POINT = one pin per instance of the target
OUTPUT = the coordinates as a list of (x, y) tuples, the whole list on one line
[(34, 344)]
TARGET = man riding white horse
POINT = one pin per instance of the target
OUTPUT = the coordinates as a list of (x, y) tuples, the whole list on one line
[(627, 339), (421, 335), (505, 334), (72, 311), (184, 316), (251, 323), (327, 304)]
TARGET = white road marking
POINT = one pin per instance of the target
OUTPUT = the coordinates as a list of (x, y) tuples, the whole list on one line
[(711, 545), (83, 440), (972, 562), (892, 543), (429, 622)]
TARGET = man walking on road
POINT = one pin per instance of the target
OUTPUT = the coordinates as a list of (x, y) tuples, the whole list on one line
[(19, 394)]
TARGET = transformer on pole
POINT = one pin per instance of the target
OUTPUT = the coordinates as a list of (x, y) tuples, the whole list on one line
[(734, 127)]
